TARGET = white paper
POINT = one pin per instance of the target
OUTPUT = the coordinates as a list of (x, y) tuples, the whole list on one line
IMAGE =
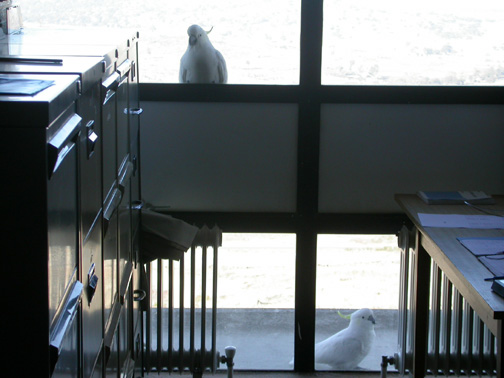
[(483, 246), (461, 221)]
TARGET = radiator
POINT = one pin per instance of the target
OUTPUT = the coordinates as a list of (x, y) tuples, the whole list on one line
[(458, 342), (181, 321)]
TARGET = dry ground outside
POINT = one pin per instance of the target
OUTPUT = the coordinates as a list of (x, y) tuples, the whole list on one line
[(256, 281)]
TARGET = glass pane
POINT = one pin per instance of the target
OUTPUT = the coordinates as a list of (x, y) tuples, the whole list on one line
[(429, 42), (355, 272), (259, 39), (256, 299)]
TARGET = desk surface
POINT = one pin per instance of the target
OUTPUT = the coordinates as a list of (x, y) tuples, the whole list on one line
[(460, 266)]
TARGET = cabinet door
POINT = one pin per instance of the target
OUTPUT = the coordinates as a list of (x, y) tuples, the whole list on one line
[(125, 169), (134, 121), (90, 159), (92, 301), (110, 278), (139, 296), (108, 124), (62, 207)]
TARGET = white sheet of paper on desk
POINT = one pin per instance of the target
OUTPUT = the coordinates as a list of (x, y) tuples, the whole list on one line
[(483, 246), (461, 221)]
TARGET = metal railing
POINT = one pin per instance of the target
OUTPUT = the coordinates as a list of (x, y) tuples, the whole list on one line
[(458, 342), (183, 310)]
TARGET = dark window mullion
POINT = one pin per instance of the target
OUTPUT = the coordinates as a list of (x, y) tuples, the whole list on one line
[(307, 184)]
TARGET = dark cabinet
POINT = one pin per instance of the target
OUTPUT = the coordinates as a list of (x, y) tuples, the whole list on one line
[(73, 191), (40, 236)]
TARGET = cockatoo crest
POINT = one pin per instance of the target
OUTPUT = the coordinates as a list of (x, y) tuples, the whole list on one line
[(202, 63)]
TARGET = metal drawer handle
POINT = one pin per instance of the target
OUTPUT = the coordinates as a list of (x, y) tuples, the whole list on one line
[(110, 85), (135, 111), (92, 138), (64, 322), (137, 205), (126, 173), (124, 68), (92, 283), (62, 143), (139, 295), (125, 282), (111, 205)]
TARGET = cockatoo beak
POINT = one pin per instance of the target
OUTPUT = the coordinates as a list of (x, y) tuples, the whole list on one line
[(371, 319), (192, 40)]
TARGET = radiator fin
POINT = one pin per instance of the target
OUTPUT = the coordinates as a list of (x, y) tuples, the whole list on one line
[(183, 309), (458, 342)]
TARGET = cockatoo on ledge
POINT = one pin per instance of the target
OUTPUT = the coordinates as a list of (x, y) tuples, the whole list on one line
[(347, 348), (202, 63)]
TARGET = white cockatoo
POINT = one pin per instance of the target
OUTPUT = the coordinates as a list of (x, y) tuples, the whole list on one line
[(202, 63), (347, 348)]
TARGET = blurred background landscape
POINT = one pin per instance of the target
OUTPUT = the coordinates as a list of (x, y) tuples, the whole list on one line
[(391, 42)]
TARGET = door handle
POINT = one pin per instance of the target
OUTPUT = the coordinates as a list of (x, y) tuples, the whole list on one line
[(64, 322), (135, 111), (111, 205), (139, 295), (92, 138), (110, 85), (62, 143), (92, 283)]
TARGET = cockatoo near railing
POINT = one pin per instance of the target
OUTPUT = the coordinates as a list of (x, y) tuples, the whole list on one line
[(347, 348), (202, 63)]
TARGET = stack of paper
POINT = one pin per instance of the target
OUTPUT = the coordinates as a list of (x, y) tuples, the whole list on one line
[(451, 198), (448, 198), (461, 221), (489, 251)]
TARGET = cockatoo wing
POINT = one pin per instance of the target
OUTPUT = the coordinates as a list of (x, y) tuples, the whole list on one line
[(339, 352), (221, 68), (182, 74)]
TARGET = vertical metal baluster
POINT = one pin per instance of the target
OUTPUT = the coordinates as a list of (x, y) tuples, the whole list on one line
[(181, 316), (434, 321), (214, 307), (471, 330), (447, 324), (410, 338), (480, 346), (170, 315), (159, 314), (148, 323), (467, 335), (403, 305), (203, 304), (456, 333), (489, 352), (193, 299)]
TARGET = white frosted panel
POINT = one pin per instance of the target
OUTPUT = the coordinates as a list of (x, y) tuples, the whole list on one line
[(370, 152), (219, 156)]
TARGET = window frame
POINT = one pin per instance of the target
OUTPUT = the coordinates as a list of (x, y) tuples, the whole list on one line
[(306, 222)]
